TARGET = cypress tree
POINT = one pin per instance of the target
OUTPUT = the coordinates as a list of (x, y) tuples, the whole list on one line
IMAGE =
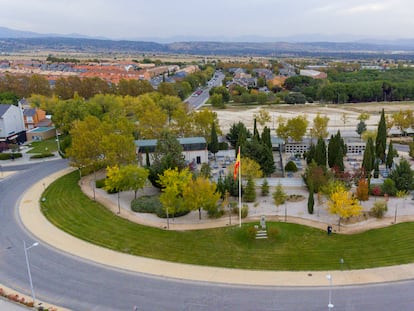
[(311, 200), (320, 152), (367, 161), (266, 138), (332, 150), (214, 145), (390, 156), (381, 139)]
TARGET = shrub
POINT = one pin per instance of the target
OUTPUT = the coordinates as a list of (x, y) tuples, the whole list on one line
[(291, 167), (100, 183), (10, 156), (376, 190), (216, 212), (42, 155), (379, 209), (389, 187), (273, 232), (146, 204), (251, 233), (244, 210)]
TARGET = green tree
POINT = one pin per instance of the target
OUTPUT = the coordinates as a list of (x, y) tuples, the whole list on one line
[(311, 199), (265, 188), (361, 128), (381, 139), (86, 149), (115, 182), (134, 177), (167, 155), (368, 158), (213, 146), (249, 194), (403, 176), (237, 130), (297, 127), (279, 196), (391, 154), (320, 152), (336, 151), (403, 120), (216, 101)]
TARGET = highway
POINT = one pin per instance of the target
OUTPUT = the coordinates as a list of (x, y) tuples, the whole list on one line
[(77, 284)]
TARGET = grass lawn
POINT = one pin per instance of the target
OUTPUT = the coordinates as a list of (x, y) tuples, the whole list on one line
[(43, 146), (293, 247)]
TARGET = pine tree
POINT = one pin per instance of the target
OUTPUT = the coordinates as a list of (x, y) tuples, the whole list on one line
[(249, 195), (265, 188), (381, 139), (266, 137), (311, 200)]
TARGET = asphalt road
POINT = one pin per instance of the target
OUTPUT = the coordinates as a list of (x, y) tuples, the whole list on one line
[(77, 284)]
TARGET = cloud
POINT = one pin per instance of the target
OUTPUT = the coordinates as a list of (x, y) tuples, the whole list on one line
[(366, 8)]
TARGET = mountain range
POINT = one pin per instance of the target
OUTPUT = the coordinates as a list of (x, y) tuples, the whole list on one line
[(15, 40)]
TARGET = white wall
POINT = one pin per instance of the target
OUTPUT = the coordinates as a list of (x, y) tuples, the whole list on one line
[(12, 122)]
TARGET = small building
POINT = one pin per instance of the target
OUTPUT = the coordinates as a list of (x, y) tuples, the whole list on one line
[(194, 149), (12, 129)]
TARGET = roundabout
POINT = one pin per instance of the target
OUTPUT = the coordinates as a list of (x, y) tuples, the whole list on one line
[(79, 283)]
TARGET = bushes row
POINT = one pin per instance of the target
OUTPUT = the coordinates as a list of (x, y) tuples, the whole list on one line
[(152, 204), (10, 156), (42, 155)]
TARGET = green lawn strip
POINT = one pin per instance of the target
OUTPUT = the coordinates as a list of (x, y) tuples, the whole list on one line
[(295, 247), (43, 146)]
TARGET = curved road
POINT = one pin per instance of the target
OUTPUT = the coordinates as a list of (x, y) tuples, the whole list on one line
[(76, 284)]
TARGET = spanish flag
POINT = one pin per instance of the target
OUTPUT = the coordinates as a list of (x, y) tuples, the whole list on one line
[(236, 165)]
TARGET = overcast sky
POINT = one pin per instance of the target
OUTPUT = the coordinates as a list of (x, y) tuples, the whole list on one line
[(118, 19)]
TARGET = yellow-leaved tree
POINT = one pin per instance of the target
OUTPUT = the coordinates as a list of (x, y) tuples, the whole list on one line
[(173, 182), (201, 193), (343, 203)]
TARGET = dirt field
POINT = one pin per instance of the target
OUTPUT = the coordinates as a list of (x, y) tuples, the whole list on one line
[(335, 113)]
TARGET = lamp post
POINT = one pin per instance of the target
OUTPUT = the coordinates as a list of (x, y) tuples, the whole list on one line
[(28, 268), (330, 305)]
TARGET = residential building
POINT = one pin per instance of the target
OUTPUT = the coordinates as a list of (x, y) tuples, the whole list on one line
[(12, 129)]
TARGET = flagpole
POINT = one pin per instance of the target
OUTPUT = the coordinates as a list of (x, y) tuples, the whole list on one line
[(240, 206)]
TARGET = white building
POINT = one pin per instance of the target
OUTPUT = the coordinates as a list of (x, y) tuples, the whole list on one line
[(194, 149), (12, 129)]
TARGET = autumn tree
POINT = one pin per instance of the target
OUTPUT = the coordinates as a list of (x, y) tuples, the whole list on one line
[(114, 182), (362, 190), (173, 182), (134, 177), (343, 203), (201, 193), (250, 168), (403, 120), (294, 128), (262, 116), (320, 126)]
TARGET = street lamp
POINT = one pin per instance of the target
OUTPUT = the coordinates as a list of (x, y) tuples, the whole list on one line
[(330, 305), (28, 267)]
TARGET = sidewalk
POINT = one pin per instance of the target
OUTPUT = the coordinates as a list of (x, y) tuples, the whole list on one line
[(35, 222)]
